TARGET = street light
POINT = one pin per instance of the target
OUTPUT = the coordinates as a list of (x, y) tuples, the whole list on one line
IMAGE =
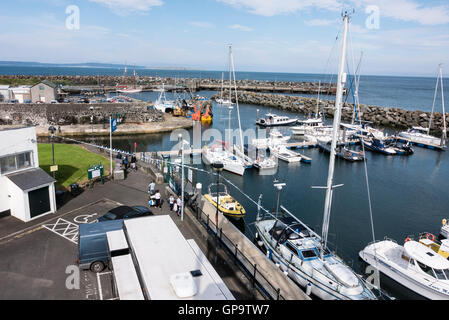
[(92, 122), (52, 131), (278, 186), (218, 167), (182, 142)]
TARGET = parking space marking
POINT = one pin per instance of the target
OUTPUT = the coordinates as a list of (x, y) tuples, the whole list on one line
[(100, 290), (85, 218), (65, 229)]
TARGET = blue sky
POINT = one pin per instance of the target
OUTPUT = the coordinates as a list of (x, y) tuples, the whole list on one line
[(267, 35)]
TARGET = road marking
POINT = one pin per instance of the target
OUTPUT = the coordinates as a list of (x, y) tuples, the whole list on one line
[(65, 229), (100, 290), (84, 218)]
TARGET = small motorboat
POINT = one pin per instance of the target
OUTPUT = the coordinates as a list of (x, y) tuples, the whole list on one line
[(283, 153), (266, 165), (341, 151), (379, 146), (444, 231), (226, 203), (273, 120), (308, 125)]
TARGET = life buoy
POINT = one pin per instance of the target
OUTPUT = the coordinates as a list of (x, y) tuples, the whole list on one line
[(444, 222), (430, 237), (348, 154), (407, 239)]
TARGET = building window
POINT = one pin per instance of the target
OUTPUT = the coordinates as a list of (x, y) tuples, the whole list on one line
[(15, 162), (41, 88)]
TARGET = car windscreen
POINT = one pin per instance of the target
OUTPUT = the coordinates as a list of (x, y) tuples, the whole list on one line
[(110, 216)]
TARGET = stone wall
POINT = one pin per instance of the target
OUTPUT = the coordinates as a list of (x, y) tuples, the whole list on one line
[(389, 117), (66, 114)]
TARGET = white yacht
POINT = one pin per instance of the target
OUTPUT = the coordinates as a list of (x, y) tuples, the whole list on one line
[(217, 153), (273, 120), (221, 100), (421, 136), (282, 153), (413, 265), (308, 125), (274, 138), (266, 165)]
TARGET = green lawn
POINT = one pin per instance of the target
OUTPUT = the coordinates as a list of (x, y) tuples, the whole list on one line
[(72, 160)]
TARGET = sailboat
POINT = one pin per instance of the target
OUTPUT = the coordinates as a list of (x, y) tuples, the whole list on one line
[(235, 162), (221, 100), (421, 136), (125, 88), (162, 104), (301, 252)]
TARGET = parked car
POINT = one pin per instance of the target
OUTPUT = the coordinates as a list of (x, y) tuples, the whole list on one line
[(54, 102), (27, 101), (93, 251), (125, 212), (13, 101)]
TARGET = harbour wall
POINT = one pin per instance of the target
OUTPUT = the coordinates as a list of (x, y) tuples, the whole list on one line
[(75, 113), (395, 118)]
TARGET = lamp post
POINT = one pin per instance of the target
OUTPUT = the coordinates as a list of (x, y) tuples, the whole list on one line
[(278, 186), (52, 131), (92, 122), (218, 167), (182, 142)]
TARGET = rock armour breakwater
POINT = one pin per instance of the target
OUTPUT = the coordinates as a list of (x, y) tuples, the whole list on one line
[(382, 116)]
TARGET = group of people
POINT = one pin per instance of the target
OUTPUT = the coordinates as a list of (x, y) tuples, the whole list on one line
[(126, 164), (156, 199)]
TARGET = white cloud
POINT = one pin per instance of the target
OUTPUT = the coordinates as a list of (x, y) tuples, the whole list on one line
[(319, 22), (274, 7), (201, 24), (404, 10), (123, 7), (240, 27)]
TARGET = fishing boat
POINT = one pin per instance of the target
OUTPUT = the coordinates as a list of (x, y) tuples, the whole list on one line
[(413, 265), (162, 104), (226, 203), (273, 120), (421, 136), (218, 153), (206, 118)]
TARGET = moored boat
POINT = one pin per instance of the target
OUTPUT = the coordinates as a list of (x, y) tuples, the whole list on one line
[(226, 203)]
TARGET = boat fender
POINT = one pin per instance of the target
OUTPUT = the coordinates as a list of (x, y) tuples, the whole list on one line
[(444, 222), (408, 239), (309, 289), (430, 237)]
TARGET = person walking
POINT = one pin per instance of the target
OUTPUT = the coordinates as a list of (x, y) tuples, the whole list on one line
[(126, 162), (179, 204), (157, 199), (134, 162), (171, 201), (151, 188)]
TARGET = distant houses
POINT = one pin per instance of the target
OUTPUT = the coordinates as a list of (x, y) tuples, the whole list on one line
[(43, 92)]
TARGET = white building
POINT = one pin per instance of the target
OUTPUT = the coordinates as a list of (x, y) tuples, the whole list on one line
[(21, 94), (4, 93), (26, 191)]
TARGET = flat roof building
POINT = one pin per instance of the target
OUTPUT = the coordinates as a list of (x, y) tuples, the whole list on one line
[(26, 191)]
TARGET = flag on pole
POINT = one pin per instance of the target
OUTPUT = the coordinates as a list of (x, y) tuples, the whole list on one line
[(113, 125)]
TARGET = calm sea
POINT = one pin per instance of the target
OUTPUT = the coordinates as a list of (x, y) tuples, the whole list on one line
[(412, 93)]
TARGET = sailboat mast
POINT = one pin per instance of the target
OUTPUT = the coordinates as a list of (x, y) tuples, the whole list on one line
[(236, 99), (221, 93), (318, 101), (444, 136), (434, 101), (337, 118)]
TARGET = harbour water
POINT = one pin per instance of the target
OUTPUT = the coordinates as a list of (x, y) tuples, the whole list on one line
[(408, 193)]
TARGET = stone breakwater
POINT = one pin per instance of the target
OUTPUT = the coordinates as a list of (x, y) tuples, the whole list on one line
[(75, 114), (75, 84), (381, 116)]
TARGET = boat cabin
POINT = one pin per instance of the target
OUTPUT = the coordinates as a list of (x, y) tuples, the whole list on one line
[(426, 260)]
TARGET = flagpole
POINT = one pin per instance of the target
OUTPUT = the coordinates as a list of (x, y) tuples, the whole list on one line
[(110, 144)]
